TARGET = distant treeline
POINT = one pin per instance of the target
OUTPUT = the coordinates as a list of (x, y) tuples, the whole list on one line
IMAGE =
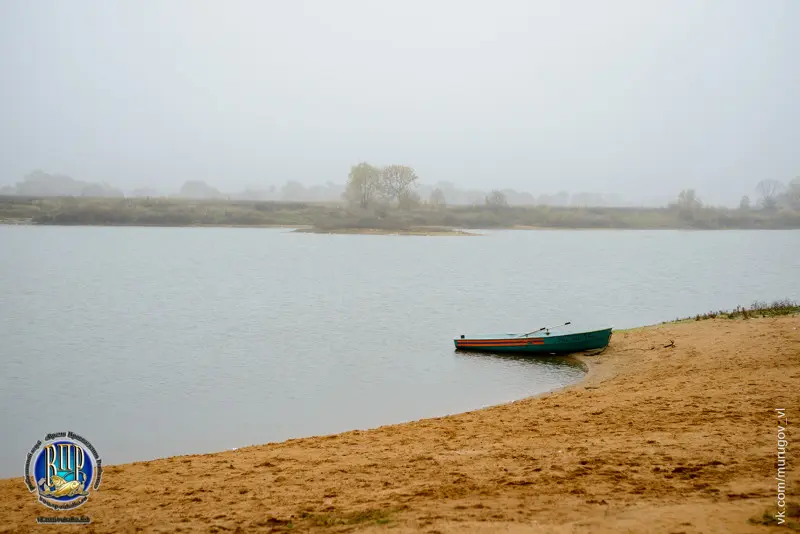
[(491, 214), (383, 198), (43, 184)]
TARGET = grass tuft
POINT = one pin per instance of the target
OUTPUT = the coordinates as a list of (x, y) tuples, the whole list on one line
[(756, 309), (769, 517), (379, 516)]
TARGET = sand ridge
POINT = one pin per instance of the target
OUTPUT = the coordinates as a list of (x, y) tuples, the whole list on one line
[(657, 438)]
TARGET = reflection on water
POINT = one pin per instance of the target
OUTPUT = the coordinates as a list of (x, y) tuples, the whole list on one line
[(541, 361)]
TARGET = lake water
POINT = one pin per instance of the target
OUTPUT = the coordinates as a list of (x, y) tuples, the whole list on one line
[(161, 341)]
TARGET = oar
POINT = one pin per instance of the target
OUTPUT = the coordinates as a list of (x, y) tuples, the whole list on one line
[(548, 328)]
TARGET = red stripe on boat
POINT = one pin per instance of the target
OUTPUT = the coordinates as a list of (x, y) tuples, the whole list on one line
[(499, 342)]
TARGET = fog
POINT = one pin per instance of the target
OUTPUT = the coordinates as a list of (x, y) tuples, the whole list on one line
[(639, 99)]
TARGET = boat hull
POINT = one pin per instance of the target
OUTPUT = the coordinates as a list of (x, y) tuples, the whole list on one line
[(552, 344)]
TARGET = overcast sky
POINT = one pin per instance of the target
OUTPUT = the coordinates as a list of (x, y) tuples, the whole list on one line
[(638, 97)]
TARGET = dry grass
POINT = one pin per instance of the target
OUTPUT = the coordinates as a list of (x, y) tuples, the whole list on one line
[(331, 216), (756, 309)]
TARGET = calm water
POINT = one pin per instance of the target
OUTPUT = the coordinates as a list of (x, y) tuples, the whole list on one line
[(161, 341)]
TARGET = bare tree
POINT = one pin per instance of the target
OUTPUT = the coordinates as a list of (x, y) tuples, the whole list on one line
[(397, 180), (769, 191)]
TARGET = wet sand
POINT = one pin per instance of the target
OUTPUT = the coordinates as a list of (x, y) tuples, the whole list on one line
[(657, 438)]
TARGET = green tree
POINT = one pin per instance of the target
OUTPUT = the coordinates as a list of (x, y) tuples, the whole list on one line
[(496, 199), (397, 180), (687, 200), (409, 199), (294, 191), (745, 203), (363, 184), (688, 204), (198, 189)]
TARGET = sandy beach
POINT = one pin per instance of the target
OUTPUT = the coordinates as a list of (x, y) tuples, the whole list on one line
[(673, 430)]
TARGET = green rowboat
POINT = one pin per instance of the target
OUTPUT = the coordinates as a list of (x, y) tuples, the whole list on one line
[(537, 342)]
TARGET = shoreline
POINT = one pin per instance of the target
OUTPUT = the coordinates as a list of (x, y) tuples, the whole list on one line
[(419, 231), (142, 225), (307, 228), (656, 437), (177, 211)]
